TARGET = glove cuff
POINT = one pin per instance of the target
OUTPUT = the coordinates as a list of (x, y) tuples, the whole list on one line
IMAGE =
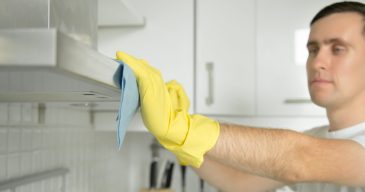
[(201, 137)]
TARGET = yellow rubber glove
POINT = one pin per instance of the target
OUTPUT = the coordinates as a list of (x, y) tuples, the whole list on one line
[(164, 110)]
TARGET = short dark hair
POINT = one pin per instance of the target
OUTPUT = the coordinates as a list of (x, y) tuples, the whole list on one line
[(340, 7)]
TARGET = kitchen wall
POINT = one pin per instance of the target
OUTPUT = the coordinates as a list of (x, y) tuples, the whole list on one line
[(63, 136), (67, 139)]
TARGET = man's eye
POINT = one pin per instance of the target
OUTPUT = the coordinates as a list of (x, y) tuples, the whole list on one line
[(313, 50), (338, 49)]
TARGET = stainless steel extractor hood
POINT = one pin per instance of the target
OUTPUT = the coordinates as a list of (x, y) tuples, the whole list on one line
[(48, 65), (48, 53)]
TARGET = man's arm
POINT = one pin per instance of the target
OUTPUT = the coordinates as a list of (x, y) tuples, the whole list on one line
[(281, 155), (289, 156), (229, 179)]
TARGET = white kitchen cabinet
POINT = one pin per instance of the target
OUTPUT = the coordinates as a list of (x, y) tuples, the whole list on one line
[(165, 41), (225, 57), (281, 74)]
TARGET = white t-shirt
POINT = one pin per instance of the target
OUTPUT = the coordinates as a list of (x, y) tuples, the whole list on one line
[(355, 133)]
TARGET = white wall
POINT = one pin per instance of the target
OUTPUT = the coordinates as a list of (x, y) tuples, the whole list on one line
[(67, 139)]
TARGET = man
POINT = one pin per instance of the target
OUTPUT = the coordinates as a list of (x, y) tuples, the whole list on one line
[(242, 158)]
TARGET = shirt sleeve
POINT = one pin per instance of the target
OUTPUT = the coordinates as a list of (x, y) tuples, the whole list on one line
[(360, 139), (317, 131)]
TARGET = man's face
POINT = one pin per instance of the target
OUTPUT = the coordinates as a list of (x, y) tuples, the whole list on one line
[(336, 61)]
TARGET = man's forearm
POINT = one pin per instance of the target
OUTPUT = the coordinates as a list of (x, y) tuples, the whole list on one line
[(229, 179), (271, 153)]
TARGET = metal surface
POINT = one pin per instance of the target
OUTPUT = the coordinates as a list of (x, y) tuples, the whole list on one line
[(77, 18), (27, 47), (47, 53), (210, 98), (47, 65), (14, 183), (23, 14)]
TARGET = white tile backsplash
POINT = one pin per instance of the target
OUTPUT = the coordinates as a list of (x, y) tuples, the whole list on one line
[(3, 113), (3, 167), (48, 158), (24, 188), (26, 139), (14, 135), (15, 113), (37, 161), (27, 113), (3, 140), (67, 139), (26, 163), (37, 186), (4, 80), (13, 165), (37, 138), (47, 184), (48, 137)]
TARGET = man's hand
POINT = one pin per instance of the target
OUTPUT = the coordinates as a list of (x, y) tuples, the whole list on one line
[(164, 110)]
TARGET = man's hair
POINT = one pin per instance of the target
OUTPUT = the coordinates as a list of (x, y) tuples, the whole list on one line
[(340, 7)]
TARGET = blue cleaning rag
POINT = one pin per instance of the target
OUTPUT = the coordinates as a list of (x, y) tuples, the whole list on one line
[(129, 99)]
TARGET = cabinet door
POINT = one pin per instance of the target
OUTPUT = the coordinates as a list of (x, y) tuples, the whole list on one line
[(165, 41), (283, 28), (225, 57)]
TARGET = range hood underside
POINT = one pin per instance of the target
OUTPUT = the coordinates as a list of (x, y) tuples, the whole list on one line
[(43, 65), (40, 85)]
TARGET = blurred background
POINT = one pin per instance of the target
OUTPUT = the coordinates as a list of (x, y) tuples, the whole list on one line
[(240, 61)]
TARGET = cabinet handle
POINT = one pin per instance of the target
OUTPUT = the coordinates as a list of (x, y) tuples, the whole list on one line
[(297, 101), (210, 98)]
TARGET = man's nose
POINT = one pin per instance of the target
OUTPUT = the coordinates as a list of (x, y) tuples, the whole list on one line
[(320, 61)]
